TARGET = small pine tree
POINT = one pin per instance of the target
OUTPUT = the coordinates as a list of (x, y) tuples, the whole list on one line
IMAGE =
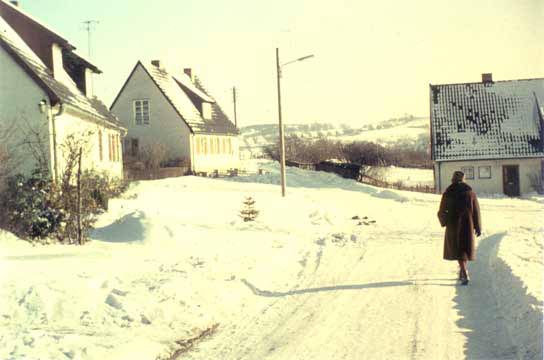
[(248, 212)]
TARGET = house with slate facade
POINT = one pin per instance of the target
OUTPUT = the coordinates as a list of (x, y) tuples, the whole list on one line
[(45, 89), (175, 110), (490, 130)]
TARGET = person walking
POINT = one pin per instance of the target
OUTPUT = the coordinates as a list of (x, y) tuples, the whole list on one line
[(460, 213)]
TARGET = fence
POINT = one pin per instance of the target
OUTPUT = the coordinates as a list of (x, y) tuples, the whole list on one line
[(365, 179), (353, 171), (230, 173), (160, 173)]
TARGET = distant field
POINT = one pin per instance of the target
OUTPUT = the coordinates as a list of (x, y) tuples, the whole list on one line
[(413, 130)]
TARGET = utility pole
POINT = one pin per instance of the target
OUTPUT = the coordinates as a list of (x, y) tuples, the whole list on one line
[(282, 140), (282, 136), (234, 100)]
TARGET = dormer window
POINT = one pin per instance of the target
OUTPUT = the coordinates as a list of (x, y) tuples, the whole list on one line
[(141, 112), (206, 110)]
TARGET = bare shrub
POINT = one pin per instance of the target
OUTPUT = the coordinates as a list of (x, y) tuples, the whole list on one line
[(306, 151), (374, 172), (148, 158), (536, 183)]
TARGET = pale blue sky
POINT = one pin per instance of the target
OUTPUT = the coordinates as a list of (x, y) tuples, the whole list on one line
[(372, 60)]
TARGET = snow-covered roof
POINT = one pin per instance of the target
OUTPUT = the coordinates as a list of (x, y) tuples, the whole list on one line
[(57, 91), (8, 9), (490, 120), (179, 95), (185, 81)]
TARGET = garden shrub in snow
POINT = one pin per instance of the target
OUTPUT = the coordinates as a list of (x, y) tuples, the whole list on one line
[(30, 205)]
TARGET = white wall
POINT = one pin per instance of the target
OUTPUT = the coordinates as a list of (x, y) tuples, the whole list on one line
[(19, 99), (494, 185), (70, 122), (208, 161), (165, 126)]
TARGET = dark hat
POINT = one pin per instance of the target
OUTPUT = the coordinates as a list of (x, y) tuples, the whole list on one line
[(457, 176)]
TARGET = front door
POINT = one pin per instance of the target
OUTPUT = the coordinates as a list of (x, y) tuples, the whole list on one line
[(510, 179)]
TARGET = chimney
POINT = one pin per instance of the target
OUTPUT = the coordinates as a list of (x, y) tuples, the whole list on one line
[(487, 78), (88, 83), (14, 3), (58, 67), (189, 73), (156, 63)]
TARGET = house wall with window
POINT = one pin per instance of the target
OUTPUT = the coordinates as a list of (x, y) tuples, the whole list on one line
[(215, 152), (163, 123), (101, 146), (487, 175)]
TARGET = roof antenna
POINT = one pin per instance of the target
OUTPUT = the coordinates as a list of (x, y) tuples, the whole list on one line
[(89, 27), (89, 24)]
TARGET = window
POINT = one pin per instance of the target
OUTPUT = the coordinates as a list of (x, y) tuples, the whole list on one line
[(141, 112), (484, 172), (204, 146), (100, 147), (469, 172), (117, 157), (109, 148), (134, 147), (197, 150)]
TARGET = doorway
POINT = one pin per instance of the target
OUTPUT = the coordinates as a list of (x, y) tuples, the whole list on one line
[(510, 180)]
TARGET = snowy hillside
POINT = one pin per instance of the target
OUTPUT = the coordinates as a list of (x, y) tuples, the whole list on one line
[(322, 274), (414, 130)]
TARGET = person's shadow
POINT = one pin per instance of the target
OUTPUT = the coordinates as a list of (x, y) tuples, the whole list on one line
[(382, 284)]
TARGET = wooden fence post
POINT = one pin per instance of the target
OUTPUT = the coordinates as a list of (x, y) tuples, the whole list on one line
[(79, 237)]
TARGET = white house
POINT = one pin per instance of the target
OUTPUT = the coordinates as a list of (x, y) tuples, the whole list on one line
[(46, 89), (492, 131), (176, 111)]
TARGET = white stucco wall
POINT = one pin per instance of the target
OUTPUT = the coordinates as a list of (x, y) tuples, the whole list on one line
[(71, 122), (165, 126), (208, 161), (19, 111), (494, 185)]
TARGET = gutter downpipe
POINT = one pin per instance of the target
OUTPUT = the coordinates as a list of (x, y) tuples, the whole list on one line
[(439, 178), (192, 149)]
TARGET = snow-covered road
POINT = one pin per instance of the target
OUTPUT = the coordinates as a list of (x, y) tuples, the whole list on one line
[(352, 302), (305, 281)]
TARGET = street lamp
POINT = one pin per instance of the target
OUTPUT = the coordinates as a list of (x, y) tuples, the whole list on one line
[(282, 139)]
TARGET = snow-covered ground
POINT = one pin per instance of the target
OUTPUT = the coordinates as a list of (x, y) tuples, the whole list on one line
[(305, 281), (409, 177)]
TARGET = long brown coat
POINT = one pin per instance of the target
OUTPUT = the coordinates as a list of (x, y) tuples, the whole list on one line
[(460, 213)]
